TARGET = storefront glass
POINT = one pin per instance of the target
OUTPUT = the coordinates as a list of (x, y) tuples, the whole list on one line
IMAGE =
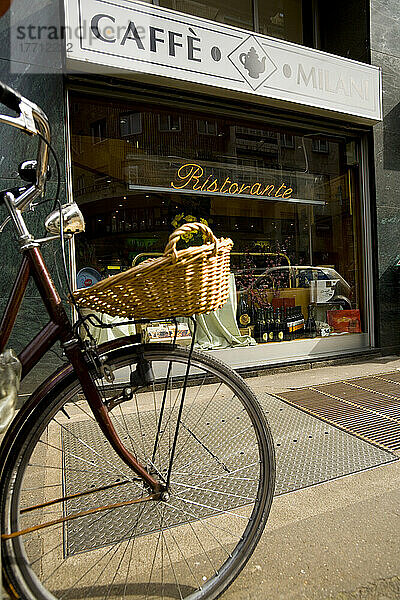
[(289, 199), (282, 19), (238, 13)]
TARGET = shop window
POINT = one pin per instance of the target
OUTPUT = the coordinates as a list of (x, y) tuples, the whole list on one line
[(169, 123), (289, 199), (320, 145), (130, 124), (132, 176), (101, 179), (337, 31), (206, 127), (77, 144), (282, 19), (80, 183), (287, 141), (98, 131), (238, 13), (320, 24)]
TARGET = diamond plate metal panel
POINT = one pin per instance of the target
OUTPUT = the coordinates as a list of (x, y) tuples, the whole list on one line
[(308, 452), (83, 446)]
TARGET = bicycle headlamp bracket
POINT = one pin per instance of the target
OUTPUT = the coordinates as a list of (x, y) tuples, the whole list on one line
[(72, 218)]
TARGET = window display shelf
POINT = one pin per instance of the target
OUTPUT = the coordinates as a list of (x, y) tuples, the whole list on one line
[(292, 351)]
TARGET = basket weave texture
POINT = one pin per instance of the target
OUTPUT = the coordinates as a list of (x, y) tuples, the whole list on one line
[(181, 283)]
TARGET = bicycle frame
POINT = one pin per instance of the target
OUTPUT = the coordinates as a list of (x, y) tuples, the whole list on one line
[(33, 121), (59, 329)]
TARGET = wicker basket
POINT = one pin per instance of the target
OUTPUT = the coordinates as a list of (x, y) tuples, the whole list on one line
[(181, 283)]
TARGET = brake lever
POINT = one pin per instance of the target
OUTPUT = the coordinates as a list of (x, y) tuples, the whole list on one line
[(27, 116)]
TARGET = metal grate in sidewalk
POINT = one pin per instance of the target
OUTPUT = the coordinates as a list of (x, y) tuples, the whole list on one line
[(367, 407), (308, 451)]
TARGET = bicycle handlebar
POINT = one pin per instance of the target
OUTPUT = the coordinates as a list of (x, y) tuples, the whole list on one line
[(33, 121), (10, 98)]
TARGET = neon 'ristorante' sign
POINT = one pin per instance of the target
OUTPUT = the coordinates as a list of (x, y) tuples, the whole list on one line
[(191, 176)]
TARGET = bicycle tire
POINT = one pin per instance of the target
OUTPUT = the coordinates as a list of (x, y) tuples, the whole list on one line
[(193, 528)]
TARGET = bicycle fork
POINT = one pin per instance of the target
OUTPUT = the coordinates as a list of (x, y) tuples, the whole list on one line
[(74, 353)]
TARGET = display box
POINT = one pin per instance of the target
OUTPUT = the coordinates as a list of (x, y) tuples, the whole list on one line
[(344, 321), (322, 291), (301, 297), (283, 302), (165, 332)]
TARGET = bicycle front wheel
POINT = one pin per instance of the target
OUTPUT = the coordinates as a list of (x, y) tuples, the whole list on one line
[(83, 523)]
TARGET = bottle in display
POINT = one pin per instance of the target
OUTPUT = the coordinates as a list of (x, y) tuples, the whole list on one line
[(286, 323), (253, 313), (298, 323), (302, 322), (289, 323), (278, 326), (243, 311), (267, 326), (292, 323), (310, 329), (264, 327), (259, 325), (271, 325)]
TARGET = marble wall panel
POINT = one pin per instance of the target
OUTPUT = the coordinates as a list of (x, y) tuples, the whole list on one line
[(48, 93), (385, 52), (32, 36), (385, 26)]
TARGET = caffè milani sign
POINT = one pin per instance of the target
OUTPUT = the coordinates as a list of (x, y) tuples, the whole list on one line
[(109, 35)]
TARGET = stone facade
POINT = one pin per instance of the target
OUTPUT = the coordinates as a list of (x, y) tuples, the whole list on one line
[(39, 77), (385, 52)]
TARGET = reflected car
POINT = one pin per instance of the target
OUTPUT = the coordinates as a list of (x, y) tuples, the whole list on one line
[(301, 276)]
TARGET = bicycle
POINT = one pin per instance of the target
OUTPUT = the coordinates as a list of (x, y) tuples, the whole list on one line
[(134, 471)]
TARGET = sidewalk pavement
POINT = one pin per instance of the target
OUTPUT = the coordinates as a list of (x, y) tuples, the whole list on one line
[(338, 540)]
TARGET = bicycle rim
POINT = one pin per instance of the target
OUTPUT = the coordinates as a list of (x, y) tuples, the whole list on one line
[(191, 546)]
